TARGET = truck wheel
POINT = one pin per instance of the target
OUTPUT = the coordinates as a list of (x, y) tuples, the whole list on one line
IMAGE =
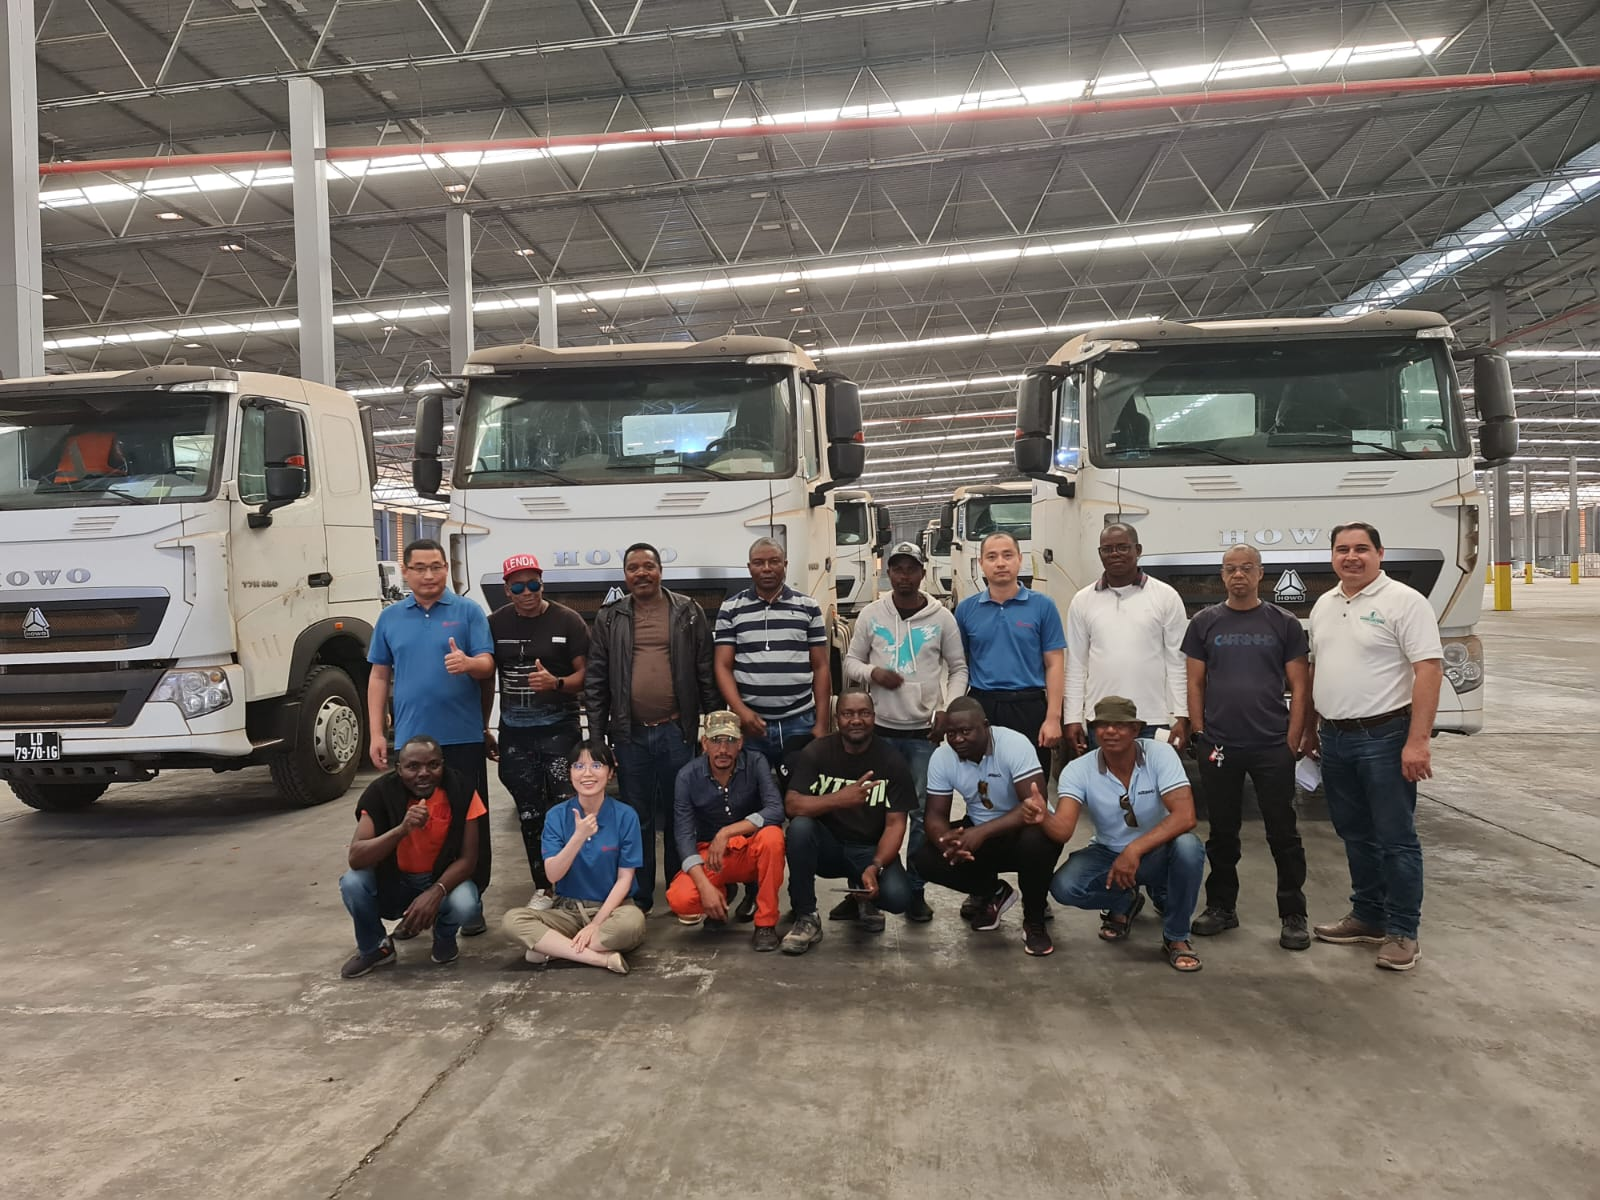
[(325, 745), (57, 797)]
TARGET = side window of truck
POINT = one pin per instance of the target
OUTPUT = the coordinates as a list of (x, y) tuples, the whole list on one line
[(253, 457), (810, 456), (1069, 432)]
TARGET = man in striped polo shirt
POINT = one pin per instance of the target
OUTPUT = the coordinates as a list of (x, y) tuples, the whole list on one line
[(772, 657)]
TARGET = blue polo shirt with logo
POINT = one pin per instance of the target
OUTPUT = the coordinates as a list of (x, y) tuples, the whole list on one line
[(1157, 770), (1006, 642), (616, 844), (412, 641)]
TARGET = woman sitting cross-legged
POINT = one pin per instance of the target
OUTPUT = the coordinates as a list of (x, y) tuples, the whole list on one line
[(591, 850)]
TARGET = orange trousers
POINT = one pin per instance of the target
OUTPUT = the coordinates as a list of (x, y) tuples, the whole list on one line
[(757, 859)]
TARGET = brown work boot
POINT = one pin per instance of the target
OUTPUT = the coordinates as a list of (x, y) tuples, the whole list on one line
[(1398, 953), (1347, 931)]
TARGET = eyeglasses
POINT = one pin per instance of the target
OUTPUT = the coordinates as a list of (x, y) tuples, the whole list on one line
[(1131, 821), (531, 585), (427, 568), (983, 794), (590, 766), (1119, 548), (722, 740)]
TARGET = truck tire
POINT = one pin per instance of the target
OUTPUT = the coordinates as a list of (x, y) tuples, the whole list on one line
[(57, 797), (326, 744)]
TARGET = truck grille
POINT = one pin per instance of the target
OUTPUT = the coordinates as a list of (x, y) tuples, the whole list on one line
[(53, 696), (1202, 586), (64, 626)]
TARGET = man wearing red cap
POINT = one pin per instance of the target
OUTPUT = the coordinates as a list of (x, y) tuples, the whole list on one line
[(539, 652)]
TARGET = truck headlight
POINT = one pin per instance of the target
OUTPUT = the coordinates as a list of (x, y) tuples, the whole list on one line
[(1463, 662), (195, 692)]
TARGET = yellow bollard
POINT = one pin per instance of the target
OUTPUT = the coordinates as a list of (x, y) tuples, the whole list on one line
[(1502, 587), (1574, 572), (1488, 574), (1527, 572)]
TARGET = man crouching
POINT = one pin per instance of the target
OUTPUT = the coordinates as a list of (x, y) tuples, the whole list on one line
[(415, 849)]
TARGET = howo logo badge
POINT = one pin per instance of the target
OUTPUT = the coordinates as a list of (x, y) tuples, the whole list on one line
[(1291, 588), (1270, 537), (599, 558), (615, 594), (20, 579), (34, 625)]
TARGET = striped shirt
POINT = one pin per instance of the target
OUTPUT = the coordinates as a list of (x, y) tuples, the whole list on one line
[(772, 649)]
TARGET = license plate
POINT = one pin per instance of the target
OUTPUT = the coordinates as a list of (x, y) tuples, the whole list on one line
[(38, 747)]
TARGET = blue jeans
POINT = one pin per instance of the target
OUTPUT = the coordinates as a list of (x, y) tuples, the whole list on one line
[(916, 751), (812, 850), (1170, 873), (1373, 810), (649, 763), (780, 732), (370, 904)]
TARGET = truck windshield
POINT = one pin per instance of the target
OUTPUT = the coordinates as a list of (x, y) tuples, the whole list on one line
[(633, 424), (940, 540), (1311, 401), (107, 448), (1000, 514), (850, 524)]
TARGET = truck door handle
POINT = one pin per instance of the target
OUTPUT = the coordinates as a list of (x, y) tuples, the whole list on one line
[(320, 579)]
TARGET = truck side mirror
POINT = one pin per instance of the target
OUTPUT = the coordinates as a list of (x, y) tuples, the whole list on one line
[(1497, 409), (841, 422), (885, 528), (947, 519), (427, 471), (1033, 451), (283, 437)]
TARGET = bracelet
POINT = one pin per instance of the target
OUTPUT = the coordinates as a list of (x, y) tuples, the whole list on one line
[(442, 892)]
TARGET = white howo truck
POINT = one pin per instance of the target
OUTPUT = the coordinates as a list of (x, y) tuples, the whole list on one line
[(189, 580), (1208, 434), (573, 454), (862, 531), (974, 512)]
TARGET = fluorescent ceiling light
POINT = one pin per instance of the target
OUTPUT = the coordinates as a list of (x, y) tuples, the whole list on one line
[(1553, 353), (939, 385), (965, 339), (1532, 207), (937, 439), (985, 414), (169, 216), (989, 459), (1021, 98)]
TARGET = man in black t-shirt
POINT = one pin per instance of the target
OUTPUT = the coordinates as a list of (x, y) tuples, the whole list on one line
[(1241, 654), (848, 797), (539, 652)]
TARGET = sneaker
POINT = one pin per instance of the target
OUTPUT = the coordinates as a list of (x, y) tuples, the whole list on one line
[(918, 910), (970, 908), (1398, 953), (534, 958), (616, 964), (474, 927), (765, 938), (1215, 920), (1295, 935), (402, 934), (806, 933), (848, 909), (1347, 931), (995, 907), (445, 951), (541, 900), (871, 917), (359, 964), (1036, 939), (746, 912)]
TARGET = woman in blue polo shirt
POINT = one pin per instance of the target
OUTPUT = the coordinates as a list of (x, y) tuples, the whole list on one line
[(591, 850)]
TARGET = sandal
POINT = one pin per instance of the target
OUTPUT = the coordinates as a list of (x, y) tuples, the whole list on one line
[(1115, 929), (1177, 952)]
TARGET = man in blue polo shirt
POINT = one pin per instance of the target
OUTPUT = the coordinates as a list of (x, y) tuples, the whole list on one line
[(771, 658), (1016, 649), (434, 647), (1137, 796)]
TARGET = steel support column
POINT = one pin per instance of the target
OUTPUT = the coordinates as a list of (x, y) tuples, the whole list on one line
[(313, 270), (1528, 524), (1499, 326), (458, 268), (1574, 546), (547, 318), (21, 268)]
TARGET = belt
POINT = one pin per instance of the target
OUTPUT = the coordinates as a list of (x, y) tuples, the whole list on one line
[(672, 720), (1367, 722), (1009, 693)]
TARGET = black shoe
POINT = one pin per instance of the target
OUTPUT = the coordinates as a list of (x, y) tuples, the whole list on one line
[(995, 907), (445, 952), (1295, 935), (402, 934), (918, 910), (1216, 920), (359, 964), (1036, 939), (475, 927), (970, 908), (764, 938), (871, 917), (746, 912), (848, 909)]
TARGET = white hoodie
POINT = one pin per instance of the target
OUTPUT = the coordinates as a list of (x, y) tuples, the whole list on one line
[(922, 649)]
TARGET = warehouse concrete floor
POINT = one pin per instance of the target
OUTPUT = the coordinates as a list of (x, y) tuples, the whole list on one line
[(175, 1024)]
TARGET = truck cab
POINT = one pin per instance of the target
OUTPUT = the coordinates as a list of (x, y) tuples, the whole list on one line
[(935, 540), (191, 580), (972, 514), (862, 531)]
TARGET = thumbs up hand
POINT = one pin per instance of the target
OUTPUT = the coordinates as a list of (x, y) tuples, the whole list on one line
[(456, 662), (541, 680)]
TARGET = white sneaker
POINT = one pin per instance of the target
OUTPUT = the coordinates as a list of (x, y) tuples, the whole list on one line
[(541, 900), (537, 959)]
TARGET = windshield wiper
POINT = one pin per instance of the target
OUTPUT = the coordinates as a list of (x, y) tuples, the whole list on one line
[(1195, 448), (1311, 439), (702, 472)]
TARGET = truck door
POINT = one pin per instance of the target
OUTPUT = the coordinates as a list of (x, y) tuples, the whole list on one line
[(279, 570)]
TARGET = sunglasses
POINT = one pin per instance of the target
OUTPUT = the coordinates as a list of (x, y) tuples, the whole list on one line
[(1128, 818), (531, 585), (983, 794)]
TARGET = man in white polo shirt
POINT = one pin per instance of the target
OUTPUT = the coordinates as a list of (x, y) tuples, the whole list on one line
[(1377, 664), (1125, 637)]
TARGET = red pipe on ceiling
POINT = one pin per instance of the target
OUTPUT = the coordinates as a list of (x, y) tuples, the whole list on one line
[(1024, 112)]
